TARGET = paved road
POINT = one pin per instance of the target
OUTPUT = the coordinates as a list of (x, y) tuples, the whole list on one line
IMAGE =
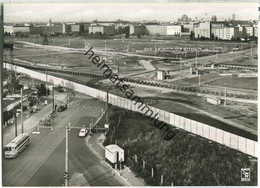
[(42, 163)]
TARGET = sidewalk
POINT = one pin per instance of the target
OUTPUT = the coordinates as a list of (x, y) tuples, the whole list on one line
[(127, 176), (30, 122)]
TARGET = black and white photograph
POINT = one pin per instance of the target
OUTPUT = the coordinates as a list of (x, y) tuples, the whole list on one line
[(129, 93)]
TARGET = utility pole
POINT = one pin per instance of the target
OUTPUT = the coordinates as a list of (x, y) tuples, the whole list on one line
[(196, 59), (66, 157), (180, 66), (46, 85), (155, 49), (105, 46), (225, 104), (53, 98), (199, 79), (107, 107), (15, 122), (22, 109)]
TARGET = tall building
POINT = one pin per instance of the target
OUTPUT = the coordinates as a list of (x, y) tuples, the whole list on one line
[(214, 18), (234, 17)]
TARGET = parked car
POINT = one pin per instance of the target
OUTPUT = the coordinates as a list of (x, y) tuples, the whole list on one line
[(83, 132), (62, 108)]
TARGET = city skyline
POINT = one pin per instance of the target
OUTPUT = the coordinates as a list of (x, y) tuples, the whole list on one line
[(132, 12)]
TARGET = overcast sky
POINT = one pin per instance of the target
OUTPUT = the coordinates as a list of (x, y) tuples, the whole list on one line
[(125, 11)]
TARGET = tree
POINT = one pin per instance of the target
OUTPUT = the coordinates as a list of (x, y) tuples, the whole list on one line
[(212, 36), (192, 35), (12, 82), (127, 35)]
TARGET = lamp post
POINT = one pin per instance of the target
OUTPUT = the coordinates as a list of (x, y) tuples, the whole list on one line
[(225, 103), (66, 173), (22, 109)]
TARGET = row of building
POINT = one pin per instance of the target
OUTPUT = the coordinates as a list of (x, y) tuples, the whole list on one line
[(225, 31), (221, 30), (176, 30)]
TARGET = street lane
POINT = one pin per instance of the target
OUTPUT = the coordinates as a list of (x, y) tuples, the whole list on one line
[(42, 163)]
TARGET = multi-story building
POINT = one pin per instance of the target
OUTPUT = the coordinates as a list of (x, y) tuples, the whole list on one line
[(203, 30), (75, 28), (22, 29), (187, 28), (9, 29), (105, 30), (226, 33), (52, 29), (242, 31), (137, 30), (35, 30), (256, 31), (174, 30), (249, 31), (214, 18), (66, 29), (156, 29)]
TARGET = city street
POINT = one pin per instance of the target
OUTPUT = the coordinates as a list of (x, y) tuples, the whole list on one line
[(43, 162)]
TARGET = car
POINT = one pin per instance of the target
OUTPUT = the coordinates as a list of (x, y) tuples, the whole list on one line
[(83, 132), (62, 108)]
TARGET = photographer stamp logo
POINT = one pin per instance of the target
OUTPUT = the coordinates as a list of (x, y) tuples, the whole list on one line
[(245, 174)]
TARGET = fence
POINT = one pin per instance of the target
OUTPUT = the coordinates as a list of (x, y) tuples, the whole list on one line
[(220, 136)]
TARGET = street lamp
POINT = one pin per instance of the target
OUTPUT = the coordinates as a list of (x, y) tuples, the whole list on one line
[(22, 108), (66, 173)]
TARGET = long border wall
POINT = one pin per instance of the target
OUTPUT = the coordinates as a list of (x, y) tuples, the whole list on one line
[(217, 135)]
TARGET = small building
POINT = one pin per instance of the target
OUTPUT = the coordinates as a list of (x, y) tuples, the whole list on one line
[(161, 74), (213, 100), (114, 154)]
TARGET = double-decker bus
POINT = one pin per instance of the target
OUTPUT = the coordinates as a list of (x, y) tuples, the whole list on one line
[(16, 146)]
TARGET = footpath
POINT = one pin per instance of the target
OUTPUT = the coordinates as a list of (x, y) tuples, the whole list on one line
[(126, 177)]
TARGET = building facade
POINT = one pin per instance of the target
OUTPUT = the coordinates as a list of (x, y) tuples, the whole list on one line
[(174, 30), (203, 30), (52, 29), (137, 30), (22, 29), (156, 29), (226, 33), (75, 28), (105, 30), (36, 30), (66, 29), (9, 29)]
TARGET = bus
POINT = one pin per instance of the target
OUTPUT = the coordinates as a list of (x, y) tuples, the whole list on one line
[(16, 146)]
